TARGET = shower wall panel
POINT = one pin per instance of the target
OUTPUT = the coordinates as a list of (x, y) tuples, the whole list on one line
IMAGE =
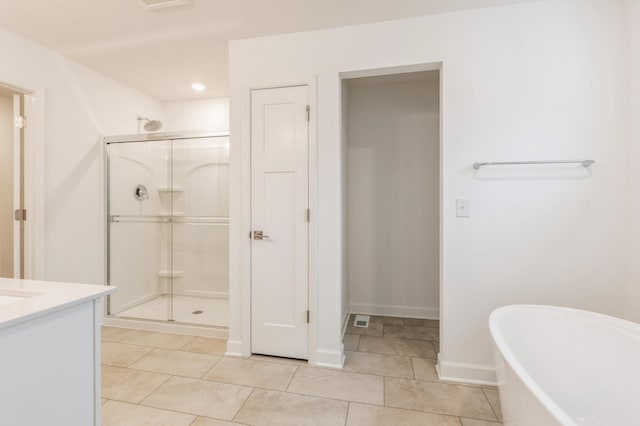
[(201, 209)]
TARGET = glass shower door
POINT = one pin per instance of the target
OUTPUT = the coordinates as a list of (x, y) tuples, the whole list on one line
[(139, 208), (168, 230)]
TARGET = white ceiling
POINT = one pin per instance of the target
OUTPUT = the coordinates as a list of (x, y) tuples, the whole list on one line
[(162, 52)]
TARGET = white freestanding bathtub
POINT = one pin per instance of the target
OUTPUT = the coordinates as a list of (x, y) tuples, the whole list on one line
[(562, 366)]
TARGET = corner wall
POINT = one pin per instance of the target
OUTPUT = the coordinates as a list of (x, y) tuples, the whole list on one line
[(344, 188), (202, 114), (81, 106), (632, 299), (538, 80)]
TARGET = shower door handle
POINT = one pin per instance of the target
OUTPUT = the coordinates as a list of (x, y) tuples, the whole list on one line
[(257, 235)]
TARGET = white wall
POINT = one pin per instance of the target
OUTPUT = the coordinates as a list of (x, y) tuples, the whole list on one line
[(540, 80), (6, 187), (393, 195), (202, 114), (344, 187), (81, 105), (632, 307)]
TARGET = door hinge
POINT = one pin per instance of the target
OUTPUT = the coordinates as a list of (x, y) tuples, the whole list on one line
[(308, 113), (20, 215), (20, 122), (308, 315), (308, 215)]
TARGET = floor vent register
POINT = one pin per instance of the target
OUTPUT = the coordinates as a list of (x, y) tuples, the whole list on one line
[(361, 321)]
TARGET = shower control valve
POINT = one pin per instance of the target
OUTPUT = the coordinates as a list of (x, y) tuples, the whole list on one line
[(141, 193)]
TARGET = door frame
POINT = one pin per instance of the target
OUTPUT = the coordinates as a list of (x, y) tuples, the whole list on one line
[(240, 342), (18, 173), (401, 69), (33, 251), (34, 189)]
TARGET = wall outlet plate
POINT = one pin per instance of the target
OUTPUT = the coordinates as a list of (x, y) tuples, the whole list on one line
[(462, 207)]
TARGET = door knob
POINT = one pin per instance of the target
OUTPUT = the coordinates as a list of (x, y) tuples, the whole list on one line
[(258, 235)]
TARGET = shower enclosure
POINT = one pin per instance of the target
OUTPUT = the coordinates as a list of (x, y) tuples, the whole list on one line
[(168, 227)]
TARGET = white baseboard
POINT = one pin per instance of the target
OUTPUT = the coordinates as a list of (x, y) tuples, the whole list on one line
[(478, 374), (235, 348), (395, 311), (162, 327), (330, 359)]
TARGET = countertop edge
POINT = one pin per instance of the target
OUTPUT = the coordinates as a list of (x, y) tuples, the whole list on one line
[(59, 306)]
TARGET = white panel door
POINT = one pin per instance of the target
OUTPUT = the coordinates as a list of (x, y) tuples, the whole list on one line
[(279, 203)]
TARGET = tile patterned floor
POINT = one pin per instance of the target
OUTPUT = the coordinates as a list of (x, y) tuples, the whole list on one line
[(389, 378)]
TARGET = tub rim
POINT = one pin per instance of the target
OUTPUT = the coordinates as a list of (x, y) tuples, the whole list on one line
[(510, 358)]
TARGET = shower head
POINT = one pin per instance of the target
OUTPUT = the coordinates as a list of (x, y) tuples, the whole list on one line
[(150, 125)]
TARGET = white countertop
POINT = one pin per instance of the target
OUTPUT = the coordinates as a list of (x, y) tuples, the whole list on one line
[(24, 300)]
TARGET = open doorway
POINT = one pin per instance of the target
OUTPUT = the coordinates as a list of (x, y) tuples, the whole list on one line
[(21, 183), (11, 229), (391, 209)]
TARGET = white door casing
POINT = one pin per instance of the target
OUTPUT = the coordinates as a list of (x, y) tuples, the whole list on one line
[(279, 208), (17, 186), (33, 182)]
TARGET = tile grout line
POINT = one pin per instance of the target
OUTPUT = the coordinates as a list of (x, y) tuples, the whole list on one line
[(214, 381), (156, 408), (131, 363), (211, 368), (413, 369), (164, 373), (489, 402), (443, 382), (188, 343), (242, 406), (384, 391), (291, 379), (181, 349), (434, 411), (321, 397), (346, 418), (157, 387), (405, 355), (312, 396), (181, 412), (411, 410), (189, 413)]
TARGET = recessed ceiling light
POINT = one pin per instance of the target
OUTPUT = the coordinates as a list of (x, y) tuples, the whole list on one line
[(198, 87)]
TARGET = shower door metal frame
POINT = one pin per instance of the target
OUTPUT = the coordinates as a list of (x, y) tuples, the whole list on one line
[(134, 138)]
